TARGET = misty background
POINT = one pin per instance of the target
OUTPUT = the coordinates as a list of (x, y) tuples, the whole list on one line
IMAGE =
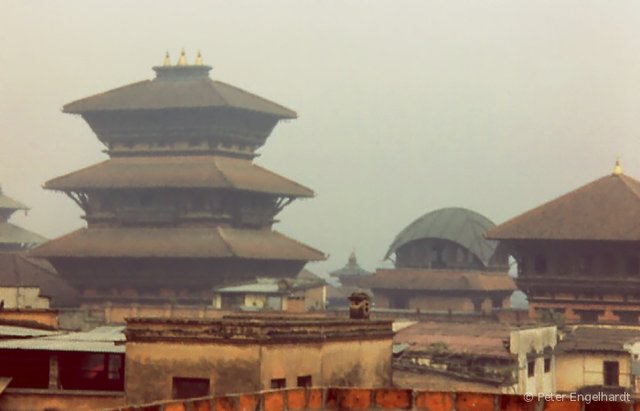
[(404, 106)]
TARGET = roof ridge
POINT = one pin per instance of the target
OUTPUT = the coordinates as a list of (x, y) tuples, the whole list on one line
[(294, 114), (538, 209), (300, 243), (65, 108), (48, 183), (626, 180), (225, 240), (273, 173), (214, 160)]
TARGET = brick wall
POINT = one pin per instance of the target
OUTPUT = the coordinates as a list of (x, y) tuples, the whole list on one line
[(360, 399)]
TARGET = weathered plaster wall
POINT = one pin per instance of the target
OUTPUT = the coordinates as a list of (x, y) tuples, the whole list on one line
[(151, 367)]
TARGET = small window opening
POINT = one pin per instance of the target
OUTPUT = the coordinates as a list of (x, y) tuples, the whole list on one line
[(278, 383), (611, 371), (304, 381), (531, 368), (190, 387), (547, 365)]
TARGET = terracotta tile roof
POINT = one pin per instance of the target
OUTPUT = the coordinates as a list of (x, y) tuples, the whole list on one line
[(418, 279), (605, 209), (18, 270), (598, 338), (177, 172), (178, 243), (486, 339), (161, 94)]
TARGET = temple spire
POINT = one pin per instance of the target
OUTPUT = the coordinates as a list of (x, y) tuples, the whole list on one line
[(167, 60), (617, 169), (198, 59), (183, 59)]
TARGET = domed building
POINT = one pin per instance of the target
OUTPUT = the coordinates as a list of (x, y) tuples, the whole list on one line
[(443, 262)]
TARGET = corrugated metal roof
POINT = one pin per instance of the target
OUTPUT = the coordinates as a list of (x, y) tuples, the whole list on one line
[(176, 242), (179, 172), (459, 225), (12, 234), (417, 279), (605, 209), (176, 91), (13, 331), (105, 339), (598, 339), (273, 285), (262, 287)]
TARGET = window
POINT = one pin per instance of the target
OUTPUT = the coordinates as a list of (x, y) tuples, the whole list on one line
[(540, 264), (531, 368), (304, 381), (277, 383), (190, 387), (611, 371), (547, 365)]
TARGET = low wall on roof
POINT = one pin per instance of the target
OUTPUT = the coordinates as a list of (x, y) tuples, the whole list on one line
[(360, 399)]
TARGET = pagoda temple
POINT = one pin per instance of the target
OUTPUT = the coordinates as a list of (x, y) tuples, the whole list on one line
[(579, 255), (179, 207), (12, 237), (352, 275), (443, 262)]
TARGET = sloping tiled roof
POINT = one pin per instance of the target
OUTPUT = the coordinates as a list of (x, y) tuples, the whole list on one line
[(482, 339), (12, 234), (598, 339), (172, 92), (10, 203), (18, 270), (179, 171), (459, 225), (605, 209), (417, 279), (178, 243)]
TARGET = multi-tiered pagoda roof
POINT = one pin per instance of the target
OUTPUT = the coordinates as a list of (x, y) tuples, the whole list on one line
[(180, 186)]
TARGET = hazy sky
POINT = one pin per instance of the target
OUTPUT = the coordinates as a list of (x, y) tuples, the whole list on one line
[(404, 106)]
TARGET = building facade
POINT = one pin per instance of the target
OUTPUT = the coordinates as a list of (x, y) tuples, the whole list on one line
[(180, 358), (180, 206)]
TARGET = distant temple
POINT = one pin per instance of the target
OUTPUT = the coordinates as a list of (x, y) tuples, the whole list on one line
[(352, 275), (12, 237), (444, 263), (179, 207), (578, 255), (26, 283)]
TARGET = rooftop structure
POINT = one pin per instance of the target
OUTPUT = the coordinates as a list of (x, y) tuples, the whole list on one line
[(12, 237), (32, 283), (179, 207), (352, 275), (444, 263), (479, 356), (578, 254)]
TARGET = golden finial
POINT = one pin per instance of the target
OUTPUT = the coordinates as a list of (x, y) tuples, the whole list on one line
[(167, 59), (617, 170), (198, 59), (183, 59)]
